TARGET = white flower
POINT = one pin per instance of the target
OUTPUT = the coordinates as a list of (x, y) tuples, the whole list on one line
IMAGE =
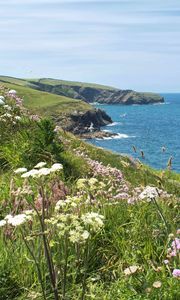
[(60, 204), (149, 193), (32, 173), (8, 217), (2, 98), (2, 223), (43, 172), (7, 115), (81, 183), (131, 270), (85, 235), (8, 107), (56, 167), (17, 220), (20, 170), (12, 92), (93, 181), (157, 284), (94, 220), (1, 102), (40, 165), (17, 118)]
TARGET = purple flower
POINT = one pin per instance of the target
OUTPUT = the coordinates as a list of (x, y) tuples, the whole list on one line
[(176, 244), (176, 273)]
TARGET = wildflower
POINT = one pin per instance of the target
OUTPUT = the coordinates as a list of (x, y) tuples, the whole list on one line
[(149, 193), (1, 102), (93, 181), (2, 98), (77, 235), (2, 223), (20, 170), (81, 183), (166, 261), (56, 167), (40, 165), (30, 173), (131, 270), (157, 284), (8, 107), (43, 172), (176, 273), (12, 92), (176, 244), (60, 204), (94, 220), (18, 118), (16, 220), (7, 115), (85, 235)]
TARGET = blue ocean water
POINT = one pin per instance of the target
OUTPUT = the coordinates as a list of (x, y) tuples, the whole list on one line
[(148, 128)]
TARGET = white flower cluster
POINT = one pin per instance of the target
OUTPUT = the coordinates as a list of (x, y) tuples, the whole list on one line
[(149, 193), (69, 202), (94, 220), (39, 170), (91, 184), (78, 235), (17, 219)]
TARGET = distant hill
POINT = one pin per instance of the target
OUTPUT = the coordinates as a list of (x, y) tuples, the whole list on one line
[(87, 92)]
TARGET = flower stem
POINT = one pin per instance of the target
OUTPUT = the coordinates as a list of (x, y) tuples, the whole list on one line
[(37, 266), (160, 213)]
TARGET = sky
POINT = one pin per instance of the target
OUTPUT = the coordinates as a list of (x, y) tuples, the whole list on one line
[(128, 44)]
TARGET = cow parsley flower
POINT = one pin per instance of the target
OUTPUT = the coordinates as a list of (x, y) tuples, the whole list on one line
[(94, 220), (31, 173), (149, 193), (56, 167), (18, 118), (17, 220), (20, 170), (2, 223), (40, 165)]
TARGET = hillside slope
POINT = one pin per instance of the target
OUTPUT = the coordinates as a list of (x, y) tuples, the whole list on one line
[(71, 114), (88, 92)]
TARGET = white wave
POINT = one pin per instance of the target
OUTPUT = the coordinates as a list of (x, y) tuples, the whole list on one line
[(114, 124), (118, 136), (160, 103), (106, 130)]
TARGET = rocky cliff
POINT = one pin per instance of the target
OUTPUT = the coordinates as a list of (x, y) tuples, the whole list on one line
[(99, 95), (83, 122)]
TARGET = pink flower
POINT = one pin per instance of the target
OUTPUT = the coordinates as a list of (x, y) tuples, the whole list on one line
[(176, 273)]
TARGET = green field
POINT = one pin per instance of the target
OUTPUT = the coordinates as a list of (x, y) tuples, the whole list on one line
[(43, 102)]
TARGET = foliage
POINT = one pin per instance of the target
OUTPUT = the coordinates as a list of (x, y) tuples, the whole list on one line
[(103, 227)]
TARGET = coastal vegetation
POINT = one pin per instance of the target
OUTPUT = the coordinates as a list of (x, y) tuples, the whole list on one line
[(76, 221)]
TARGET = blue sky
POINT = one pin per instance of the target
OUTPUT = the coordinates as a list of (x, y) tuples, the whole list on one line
[(130, 44)]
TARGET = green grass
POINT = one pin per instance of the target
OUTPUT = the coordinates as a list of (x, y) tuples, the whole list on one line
[(133, 234), (46, 103), (53, 82)]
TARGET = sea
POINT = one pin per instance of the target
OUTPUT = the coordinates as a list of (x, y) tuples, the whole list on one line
[(153, 129)]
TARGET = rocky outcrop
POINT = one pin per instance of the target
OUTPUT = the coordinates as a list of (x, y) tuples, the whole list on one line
[(100, 95), (84, 122)]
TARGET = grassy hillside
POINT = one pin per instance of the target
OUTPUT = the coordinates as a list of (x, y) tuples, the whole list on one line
[(43, 102), (81, 223)]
